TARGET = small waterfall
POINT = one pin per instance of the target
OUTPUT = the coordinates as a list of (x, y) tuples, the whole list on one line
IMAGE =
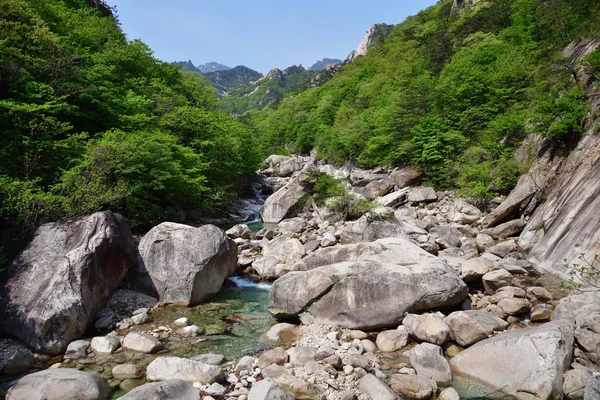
[(243, 282)]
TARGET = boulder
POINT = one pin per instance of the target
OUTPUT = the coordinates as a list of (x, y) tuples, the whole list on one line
[(142, 342), (446, 236), (428, 360), (59, 384), (282, 166), (175, 389), (422, 195), (55, 287), (293, 225), (239, 231), (413, 386), (405, 177), (427, 328), (15, 358), (287, 201), (393, 340), (473, 269), (503, 249), (168, 368), (277, 257), (393, 199), (494, 280), (373, 387), (212, 359), (328, 240), (575, 382), (513, 306), (267, 390), (462, 212), (273, 332), (497, 364), (275, 356), (587, 334), (127, 371), (569, 306), (505, 230), (369, 294), (375, 189), (184, 265), (299, 388), (300, 356), (592, 388), (471, 326), (77, 349), (449, 394)]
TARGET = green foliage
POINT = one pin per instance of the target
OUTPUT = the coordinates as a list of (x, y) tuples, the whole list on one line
[(560, 115), (583, 276), (92, 121)]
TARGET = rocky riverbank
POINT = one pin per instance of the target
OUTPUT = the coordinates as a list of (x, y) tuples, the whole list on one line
[(420, 297)]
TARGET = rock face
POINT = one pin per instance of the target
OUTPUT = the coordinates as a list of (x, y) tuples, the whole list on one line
[(14, 357), (63, 277), (287, 201), (497, 364), (182, 264), (175, 389), (369, 294), (58, 384)]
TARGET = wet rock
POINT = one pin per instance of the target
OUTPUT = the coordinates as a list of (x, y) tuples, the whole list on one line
[(105, 344), (393, 340), (58, 384), (494, 280), (372, 286), (142, 342), (127, 371), (182, 264), (15, 358), (167, 368), (497, 363), (175, 389), (472, 326), (427, 327), (413, 386), (55, 287), (375, 388), (428, 360)]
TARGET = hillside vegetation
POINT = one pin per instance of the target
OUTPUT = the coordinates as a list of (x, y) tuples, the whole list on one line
[(91, 121), (453, 92)]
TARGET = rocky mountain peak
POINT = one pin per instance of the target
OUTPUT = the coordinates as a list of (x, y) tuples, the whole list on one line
[(374, 32), (320, 65)]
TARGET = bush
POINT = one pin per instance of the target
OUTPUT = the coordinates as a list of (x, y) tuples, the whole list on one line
[(584, 276)]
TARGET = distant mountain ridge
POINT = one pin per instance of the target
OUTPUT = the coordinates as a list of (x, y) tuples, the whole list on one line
[(206, 68), (321, 64), (234, 78)]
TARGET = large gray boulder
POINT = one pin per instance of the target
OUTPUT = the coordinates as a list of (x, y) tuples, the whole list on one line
[(184, 265), (175, 389), (471, 326), (277, 256), (59, 384), (369, 294), (63, 277), (167, 368), (282, 166), (428, 360), (287, 201), (15, 358), (525, 363)]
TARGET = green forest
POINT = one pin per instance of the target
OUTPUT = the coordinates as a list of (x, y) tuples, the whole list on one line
[(453, 92), (90, 121)]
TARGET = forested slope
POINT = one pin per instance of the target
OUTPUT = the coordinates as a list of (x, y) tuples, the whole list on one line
[(453, 91), (91, 121)]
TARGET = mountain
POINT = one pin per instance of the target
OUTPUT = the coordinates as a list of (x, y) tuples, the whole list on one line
[(226, 80), (186, 66), (321, 64), (212, 67), (377, 32), (268, 90)]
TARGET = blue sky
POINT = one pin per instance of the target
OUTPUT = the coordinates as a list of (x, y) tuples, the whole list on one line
[(260, 34)]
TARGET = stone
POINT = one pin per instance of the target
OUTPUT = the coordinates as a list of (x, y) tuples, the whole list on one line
[(472, 270), (428, 360), (471, 326), (275, 356), (328, 240), (587, 333), (405, 177), (299, 388), (175, 389), (282, 166), (484, 242), (287, 201), (274, 371), (127, 371), (375, 388), (77, 349), (541, 313), (427, 328), (462, 212), (267, 390), (569, 307), (503, 249), (393, 340), (335, 361), (369, 294), (140, 318), (181, 322), (15, 358), (239, 231), (167, 368), (277, 255), (293, 225), (392, 199), (59, 384), (513, 306), (190, 331), (496, 364), (446, 236), (494, 280), (142, 342), (505, 230), (449, 394), (105, 344), (413, 386), (300, 355), (539, 293), (182, 264), (245, 363), (574, 383), (212, 359), (592, 388), (55, 287), (216, 389), (422, 195), (357, 361)]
